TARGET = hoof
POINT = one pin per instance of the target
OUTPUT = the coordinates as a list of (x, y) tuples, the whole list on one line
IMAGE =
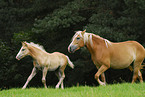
[(56, 87), (103, 84)]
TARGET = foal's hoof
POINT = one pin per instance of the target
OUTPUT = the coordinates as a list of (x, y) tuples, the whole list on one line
[(56, 87), (62, 88), (103, 84), (23, 88)]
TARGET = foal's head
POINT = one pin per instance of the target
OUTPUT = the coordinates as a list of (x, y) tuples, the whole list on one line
[(23, 51), (78, 41)]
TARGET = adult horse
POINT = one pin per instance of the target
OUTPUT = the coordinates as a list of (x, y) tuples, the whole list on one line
[(106, 54), (44, 61)]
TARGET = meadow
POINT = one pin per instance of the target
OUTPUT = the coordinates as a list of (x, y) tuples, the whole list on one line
[(114, 90)]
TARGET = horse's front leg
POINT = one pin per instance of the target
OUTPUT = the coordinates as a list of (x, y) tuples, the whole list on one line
[(44, 75), (103, 77), (101, 70), (33, 73)]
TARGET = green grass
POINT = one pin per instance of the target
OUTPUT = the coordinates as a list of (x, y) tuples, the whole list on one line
[(115, 90)]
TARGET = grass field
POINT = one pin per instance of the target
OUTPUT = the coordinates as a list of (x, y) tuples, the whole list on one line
[(115, 90)]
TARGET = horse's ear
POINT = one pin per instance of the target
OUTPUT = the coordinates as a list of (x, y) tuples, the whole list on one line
[(75, 31), (83, 32), (24, 43)]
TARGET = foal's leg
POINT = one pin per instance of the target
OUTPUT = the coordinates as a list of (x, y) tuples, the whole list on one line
[(61, 80), (101, 70), (62, 76), (33, 73), (140, 76), (62, 87), (58, 74), (44, 75)]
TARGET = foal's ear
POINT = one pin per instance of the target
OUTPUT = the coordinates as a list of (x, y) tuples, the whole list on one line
[(83, 32)]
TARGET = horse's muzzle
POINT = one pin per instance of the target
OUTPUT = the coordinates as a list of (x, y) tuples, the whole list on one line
[(72, 48), (18, 57)]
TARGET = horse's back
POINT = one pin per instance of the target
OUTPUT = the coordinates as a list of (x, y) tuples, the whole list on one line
[(132, 46), (124, 53), (137, 48), (58, 58), (58, 54)]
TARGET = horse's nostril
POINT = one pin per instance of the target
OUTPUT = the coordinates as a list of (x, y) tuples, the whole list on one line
[(72, 48)]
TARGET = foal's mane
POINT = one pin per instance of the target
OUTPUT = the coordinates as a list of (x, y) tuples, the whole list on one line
[(37, 46)]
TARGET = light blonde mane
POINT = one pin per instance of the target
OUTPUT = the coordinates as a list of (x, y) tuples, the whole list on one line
[(88, 38), (37, 46), (107, 42)]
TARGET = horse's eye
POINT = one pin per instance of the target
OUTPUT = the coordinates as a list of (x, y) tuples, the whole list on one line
[(78, 38), (23, 49)]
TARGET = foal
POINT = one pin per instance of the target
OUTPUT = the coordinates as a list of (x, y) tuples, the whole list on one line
[(44, 61), (106, 54)]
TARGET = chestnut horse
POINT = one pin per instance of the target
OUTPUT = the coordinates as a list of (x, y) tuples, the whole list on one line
[(44, 61), (106, 54)]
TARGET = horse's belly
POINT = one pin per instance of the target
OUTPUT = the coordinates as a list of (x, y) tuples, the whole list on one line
[(122, 59), (54, 64), (120, 64), (52, 67)]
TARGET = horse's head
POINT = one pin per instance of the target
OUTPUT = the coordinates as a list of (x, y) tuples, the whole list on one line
[(77, 41), (23, 51)]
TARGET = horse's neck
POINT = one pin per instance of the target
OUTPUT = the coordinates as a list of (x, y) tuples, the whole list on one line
[(97, 42), (35, 52)]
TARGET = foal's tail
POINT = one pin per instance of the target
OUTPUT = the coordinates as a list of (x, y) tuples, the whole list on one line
[(69, 62)]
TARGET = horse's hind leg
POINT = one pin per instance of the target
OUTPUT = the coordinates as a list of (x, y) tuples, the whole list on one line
[(140, 76), (61, 80), (103, 77), (62, 76), (137, 73), (44, 75), (58, 74)]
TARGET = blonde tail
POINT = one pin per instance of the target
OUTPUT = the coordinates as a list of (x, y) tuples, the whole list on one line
[(142, 66), (69, 62)]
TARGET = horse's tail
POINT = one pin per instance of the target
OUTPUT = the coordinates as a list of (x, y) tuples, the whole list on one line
[(142, 66), (144, 52), (69, 62)]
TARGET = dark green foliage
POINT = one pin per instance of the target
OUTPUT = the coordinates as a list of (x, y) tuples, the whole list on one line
[(119, 20), (52, 23), (57, 26)]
